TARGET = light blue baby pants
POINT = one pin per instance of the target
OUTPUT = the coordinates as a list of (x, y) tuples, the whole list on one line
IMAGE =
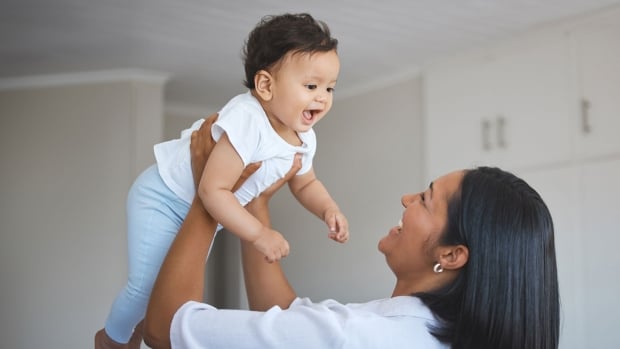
[(154, 217)]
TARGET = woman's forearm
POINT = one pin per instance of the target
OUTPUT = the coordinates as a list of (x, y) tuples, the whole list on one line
[(181, 277), (266, 284)]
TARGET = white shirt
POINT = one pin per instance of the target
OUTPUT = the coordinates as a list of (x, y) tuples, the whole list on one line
[(399, 322), (245, 123)]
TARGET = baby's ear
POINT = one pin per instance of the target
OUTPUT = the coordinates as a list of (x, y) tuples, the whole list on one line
[(263, 81)]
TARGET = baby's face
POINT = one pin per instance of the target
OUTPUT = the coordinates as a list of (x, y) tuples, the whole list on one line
[(303, 89)]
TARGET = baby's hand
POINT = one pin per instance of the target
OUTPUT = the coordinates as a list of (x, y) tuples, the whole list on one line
[(272, 244), (337, 224)]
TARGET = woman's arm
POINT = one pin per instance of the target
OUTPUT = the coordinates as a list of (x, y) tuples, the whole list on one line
[(265, 283), (181, 277)]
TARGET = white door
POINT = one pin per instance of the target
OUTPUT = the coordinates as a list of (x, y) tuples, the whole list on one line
[(600, 236), (598, 60), (559, 189)]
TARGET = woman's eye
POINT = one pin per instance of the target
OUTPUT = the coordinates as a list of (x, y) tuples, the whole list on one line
[(422, 197)]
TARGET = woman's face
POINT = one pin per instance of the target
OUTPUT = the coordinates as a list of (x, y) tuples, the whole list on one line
[(409, 246)]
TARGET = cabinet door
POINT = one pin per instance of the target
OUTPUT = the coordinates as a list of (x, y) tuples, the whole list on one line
[(598, 59), (534, 94), (508, 106), (600, 234), (458, 111), (559, 189)]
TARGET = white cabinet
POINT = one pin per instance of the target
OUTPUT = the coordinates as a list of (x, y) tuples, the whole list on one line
[(456, 105), (600, 237), (542, 99), (547, 106), (501, 107), (583, 200), (597, 48), (559, 188)]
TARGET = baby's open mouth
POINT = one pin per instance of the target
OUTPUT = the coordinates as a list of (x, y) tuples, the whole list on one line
[(309, 114)]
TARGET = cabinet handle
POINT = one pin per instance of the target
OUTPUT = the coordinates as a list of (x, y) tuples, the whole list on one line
[(585, 116), (501, 135), (486, 130)]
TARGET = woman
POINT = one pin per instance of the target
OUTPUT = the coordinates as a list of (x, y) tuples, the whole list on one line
[(473, 256)]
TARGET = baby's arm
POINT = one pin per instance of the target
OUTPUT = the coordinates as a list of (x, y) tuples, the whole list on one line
[(313, 195), (223, 168)]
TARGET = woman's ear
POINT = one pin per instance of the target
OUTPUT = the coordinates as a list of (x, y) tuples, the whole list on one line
[(453, 257), (263, 82)]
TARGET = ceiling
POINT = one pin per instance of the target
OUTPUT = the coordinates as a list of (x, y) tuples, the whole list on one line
[(198, 42)]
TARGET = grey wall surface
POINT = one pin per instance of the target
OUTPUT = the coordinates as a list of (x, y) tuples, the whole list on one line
[(69, 155)]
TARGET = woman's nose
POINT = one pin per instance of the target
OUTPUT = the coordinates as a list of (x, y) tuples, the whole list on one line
[(407, 199)]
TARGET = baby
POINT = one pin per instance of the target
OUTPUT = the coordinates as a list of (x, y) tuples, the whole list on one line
[(291, 68)]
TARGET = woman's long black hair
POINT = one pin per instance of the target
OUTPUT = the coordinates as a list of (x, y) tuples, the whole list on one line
[(506, 296)]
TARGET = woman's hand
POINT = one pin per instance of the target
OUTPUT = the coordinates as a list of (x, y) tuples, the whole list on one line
[(200, 148), (266, 195)]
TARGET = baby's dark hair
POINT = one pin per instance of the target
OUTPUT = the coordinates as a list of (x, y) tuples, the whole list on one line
[(275, 36)]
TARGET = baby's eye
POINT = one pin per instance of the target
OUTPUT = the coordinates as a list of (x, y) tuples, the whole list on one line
[(311, 87), (330, 89)]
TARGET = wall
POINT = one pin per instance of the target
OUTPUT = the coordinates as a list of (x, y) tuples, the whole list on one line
[(69, 155)]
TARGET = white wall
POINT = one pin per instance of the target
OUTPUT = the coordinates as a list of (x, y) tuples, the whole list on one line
[(68, 154)]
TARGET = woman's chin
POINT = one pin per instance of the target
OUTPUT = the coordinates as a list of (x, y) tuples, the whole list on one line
[(382, 245)]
